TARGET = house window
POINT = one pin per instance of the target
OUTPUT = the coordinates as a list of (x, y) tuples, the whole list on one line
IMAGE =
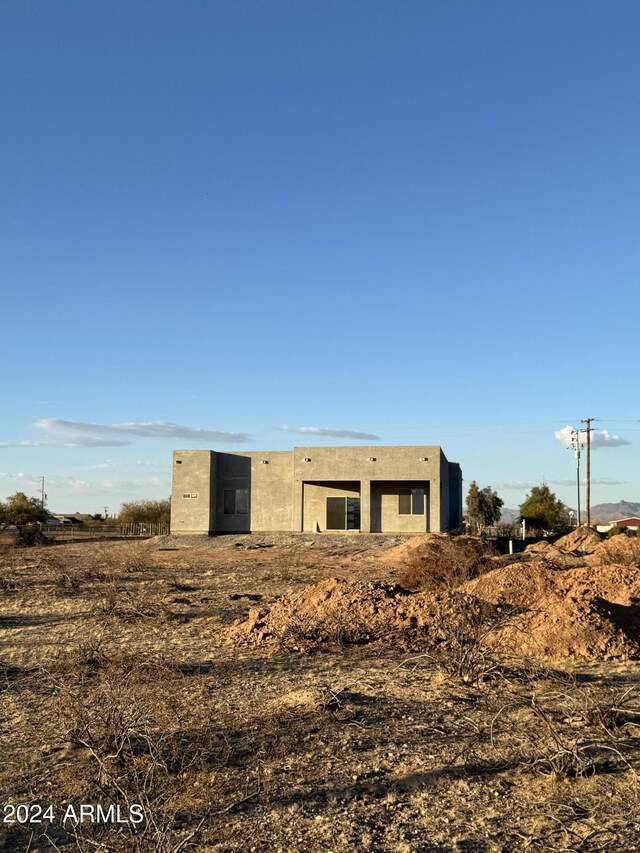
[(236, 501), (411, 501)]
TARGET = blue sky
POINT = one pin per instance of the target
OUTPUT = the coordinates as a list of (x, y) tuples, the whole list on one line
[(223, 222)]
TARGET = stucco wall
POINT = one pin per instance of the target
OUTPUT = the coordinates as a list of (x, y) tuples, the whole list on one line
[(272, 491), (193, 474), (385, 512), (408, 463)]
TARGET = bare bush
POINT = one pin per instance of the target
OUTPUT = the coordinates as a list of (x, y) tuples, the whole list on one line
[(128, 745), (126, 559), (120, 603), (308, 630), (611, 709), (446, 562), (465, 638)]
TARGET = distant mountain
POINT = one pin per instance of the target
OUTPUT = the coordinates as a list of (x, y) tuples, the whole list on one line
[(508, 516), (612, 512), (599, 512)]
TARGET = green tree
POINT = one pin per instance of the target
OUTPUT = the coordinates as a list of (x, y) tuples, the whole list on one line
[(542, 509), (146, 511), (483, 506), (19, 509)]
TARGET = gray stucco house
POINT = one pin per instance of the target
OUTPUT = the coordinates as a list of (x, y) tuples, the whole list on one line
[(316, 489)]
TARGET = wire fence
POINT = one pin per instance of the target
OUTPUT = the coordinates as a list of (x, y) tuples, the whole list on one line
[(136, 530)]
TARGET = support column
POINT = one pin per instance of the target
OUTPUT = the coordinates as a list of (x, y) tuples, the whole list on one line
[(298, 492), (433, 522), (365, 506)]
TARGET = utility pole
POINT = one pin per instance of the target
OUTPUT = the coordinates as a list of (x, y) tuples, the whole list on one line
[(588, 421), (43, 496), (575, 443)]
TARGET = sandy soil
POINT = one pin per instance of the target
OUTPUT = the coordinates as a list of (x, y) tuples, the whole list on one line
[(130, 673)]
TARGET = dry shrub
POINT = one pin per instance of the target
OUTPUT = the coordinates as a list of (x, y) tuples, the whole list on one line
[(86, 658), (611, 709), (9, 584), (136, 734), (129, 558), (462, 640), (446, 562), (574, 751), (120, 603), (309, 630)]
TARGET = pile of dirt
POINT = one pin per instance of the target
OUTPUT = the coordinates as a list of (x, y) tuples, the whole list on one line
[(567, 551), (520, 584), (586, 612), (582, 540), (349, 611), (410, 546), (619, 550), (590, 612), (560, 626), (353, 612), (434, 543)]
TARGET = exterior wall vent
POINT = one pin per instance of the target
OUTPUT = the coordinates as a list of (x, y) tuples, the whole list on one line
[(424, 458), (307, 459), (372, 459)]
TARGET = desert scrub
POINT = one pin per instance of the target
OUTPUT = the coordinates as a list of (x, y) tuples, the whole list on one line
[(136, 733), (446, 562)]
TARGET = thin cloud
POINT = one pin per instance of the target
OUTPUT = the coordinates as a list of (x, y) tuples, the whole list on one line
[(130, 485), (81, 433), (72, 441), (329, 432), (602, 481), (599, 438), (516, 485)]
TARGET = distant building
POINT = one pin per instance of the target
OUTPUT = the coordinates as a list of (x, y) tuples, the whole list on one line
[(627, 522), (632, 523), (316, 489)]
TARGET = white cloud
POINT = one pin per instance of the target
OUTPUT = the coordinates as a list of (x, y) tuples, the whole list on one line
[(329, 432), (65, 433), (599, 438), (602, 481), (564, 435), (72, 441), (112, 465), (135, 484), (515, 485)]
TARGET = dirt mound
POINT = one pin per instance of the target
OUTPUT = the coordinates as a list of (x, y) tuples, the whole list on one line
[(567, 626), (557, 613), (334, 609), (436, 542), (591, 612), (352, 612), (582, 540), (619, 550), (410, 546), (518, 584)]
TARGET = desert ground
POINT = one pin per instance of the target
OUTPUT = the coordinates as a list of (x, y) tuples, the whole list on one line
[(320, 693)]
